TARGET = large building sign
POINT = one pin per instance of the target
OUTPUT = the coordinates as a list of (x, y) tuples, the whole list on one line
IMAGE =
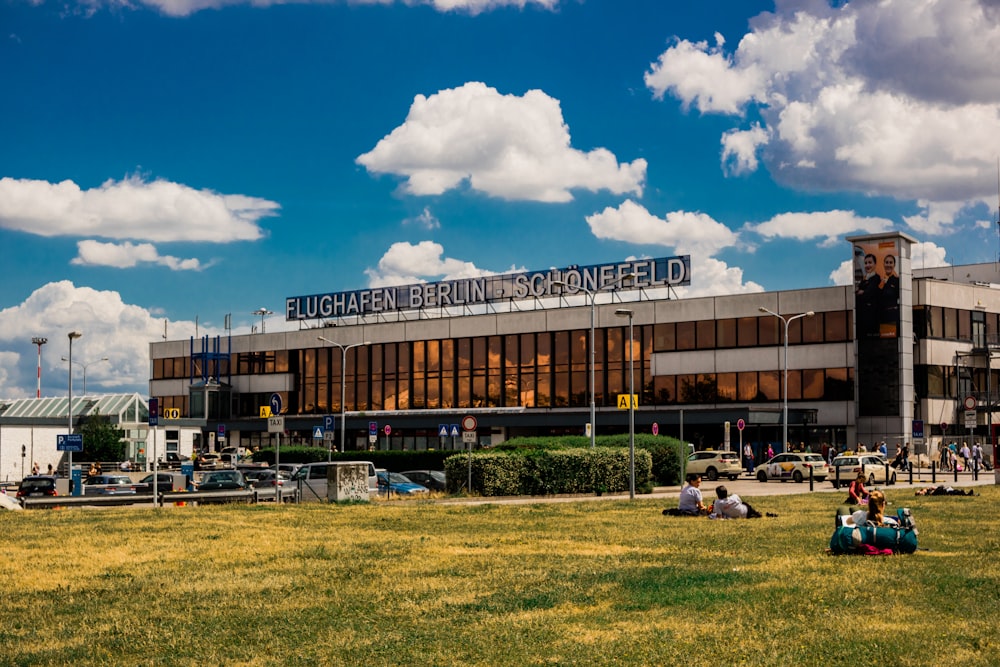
[(645, 273)]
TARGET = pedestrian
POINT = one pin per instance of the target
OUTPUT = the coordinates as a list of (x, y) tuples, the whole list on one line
[(966, 455), (945, 458), (861, 447), (977, 457), (34, 468), (770, 452), (906, 456), (748, 457), (51, 472), (883, 450)]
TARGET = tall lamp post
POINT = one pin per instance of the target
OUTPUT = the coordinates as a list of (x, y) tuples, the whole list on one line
[(84, 367), (343, 388), (39, 341), (592, 294), (263, 312), (625, 312), (69, 410), (786, 321)]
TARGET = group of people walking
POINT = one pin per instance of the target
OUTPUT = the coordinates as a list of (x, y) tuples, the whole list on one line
[(953, 458)]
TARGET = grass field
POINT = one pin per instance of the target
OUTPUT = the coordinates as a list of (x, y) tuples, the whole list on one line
[(587, 583)]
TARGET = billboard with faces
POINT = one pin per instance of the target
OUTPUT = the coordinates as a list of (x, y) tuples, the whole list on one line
[(876, 326)]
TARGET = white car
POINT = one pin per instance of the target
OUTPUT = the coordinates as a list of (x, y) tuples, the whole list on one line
[(715, 464), (795, 466), (846, 467)]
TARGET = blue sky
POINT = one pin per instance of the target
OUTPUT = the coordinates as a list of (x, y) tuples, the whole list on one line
[(174, 161)]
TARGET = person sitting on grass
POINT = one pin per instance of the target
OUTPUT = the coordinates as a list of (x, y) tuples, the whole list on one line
[(856, 492), (730, 506), (943, 491), (691, 501)]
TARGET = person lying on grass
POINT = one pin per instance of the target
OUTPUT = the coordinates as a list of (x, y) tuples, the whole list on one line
[(730, 506), (943, 491)]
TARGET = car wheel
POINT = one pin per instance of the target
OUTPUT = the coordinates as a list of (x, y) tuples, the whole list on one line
[(871, 479), (797, 477), (733, 478), (712, 474), (761, 476)]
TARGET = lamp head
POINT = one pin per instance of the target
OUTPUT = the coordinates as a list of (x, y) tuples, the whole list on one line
[(74, 334), (625, 312)]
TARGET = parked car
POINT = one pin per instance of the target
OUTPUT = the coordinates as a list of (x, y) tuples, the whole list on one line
[(208, 461), (432, 479), (36, 486), (108, 485), (872, 466), (265, 479), (312, 479), (173, 460), (398, 484), (795, 466), (715, 464), (222, 480), (164, 483)]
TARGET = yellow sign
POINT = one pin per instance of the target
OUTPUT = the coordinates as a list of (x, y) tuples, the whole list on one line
[(171, 413), (623, 401), (265, 411)]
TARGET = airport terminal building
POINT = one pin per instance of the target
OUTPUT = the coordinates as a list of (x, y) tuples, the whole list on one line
[(900, 355)]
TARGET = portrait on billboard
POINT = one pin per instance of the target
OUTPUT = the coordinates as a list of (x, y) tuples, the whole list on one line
[(876, 289)]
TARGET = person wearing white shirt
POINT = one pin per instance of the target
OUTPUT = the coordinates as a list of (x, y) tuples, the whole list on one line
[(691, 501), (731, 506)]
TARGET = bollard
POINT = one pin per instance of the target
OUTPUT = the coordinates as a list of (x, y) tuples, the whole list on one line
[(954, 470), (933, 473), (910, 467), (810, 478)]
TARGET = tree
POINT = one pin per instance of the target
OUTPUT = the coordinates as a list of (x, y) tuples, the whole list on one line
[(102, 440)]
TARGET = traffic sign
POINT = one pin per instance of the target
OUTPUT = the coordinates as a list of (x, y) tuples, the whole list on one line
[(469, 423), (918, 428), (265, 411), (275, 424), (317, 433), (740, 424), (969, 402), (970, 419), (453, 430), (626, 401), (69, 443), (154, 411), (442, 430), (275, 403), (944, 427), (469, 437), (329, 422), (387, 429), (372, 428), (329, 436), (656, 428)]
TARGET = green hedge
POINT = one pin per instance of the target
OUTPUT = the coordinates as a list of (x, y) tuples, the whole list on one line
[(549, 471)]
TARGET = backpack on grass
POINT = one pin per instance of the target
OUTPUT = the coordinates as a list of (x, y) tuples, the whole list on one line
[(898, 539)]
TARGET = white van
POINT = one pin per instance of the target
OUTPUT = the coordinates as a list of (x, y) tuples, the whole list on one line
[(311, 478)]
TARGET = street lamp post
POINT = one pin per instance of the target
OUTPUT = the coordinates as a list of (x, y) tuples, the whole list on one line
[(592, 294), (39, 341), (69, 409), (625, 312), (343, 388), (84, 367), (786, 321)]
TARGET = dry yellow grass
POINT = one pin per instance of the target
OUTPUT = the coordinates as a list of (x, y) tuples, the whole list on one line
[(607, 582)]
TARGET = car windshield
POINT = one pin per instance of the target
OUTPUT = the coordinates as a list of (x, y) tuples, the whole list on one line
[(814, 458), (397, 478), (32, 484)]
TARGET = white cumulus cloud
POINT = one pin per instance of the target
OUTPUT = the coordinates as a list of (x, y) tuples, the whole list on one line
[(507, 146), (685, 231), (128, 255), (130, 209), (895, 97), (827, 225), (407, 263), (111, 328)]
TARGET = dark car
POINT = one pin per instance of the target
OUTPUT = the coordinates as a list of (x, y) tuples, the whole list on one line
[(174, 460), (265, 479), (432, 479), (164, 483), (222, 480), (108, 485), (36, 486)]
